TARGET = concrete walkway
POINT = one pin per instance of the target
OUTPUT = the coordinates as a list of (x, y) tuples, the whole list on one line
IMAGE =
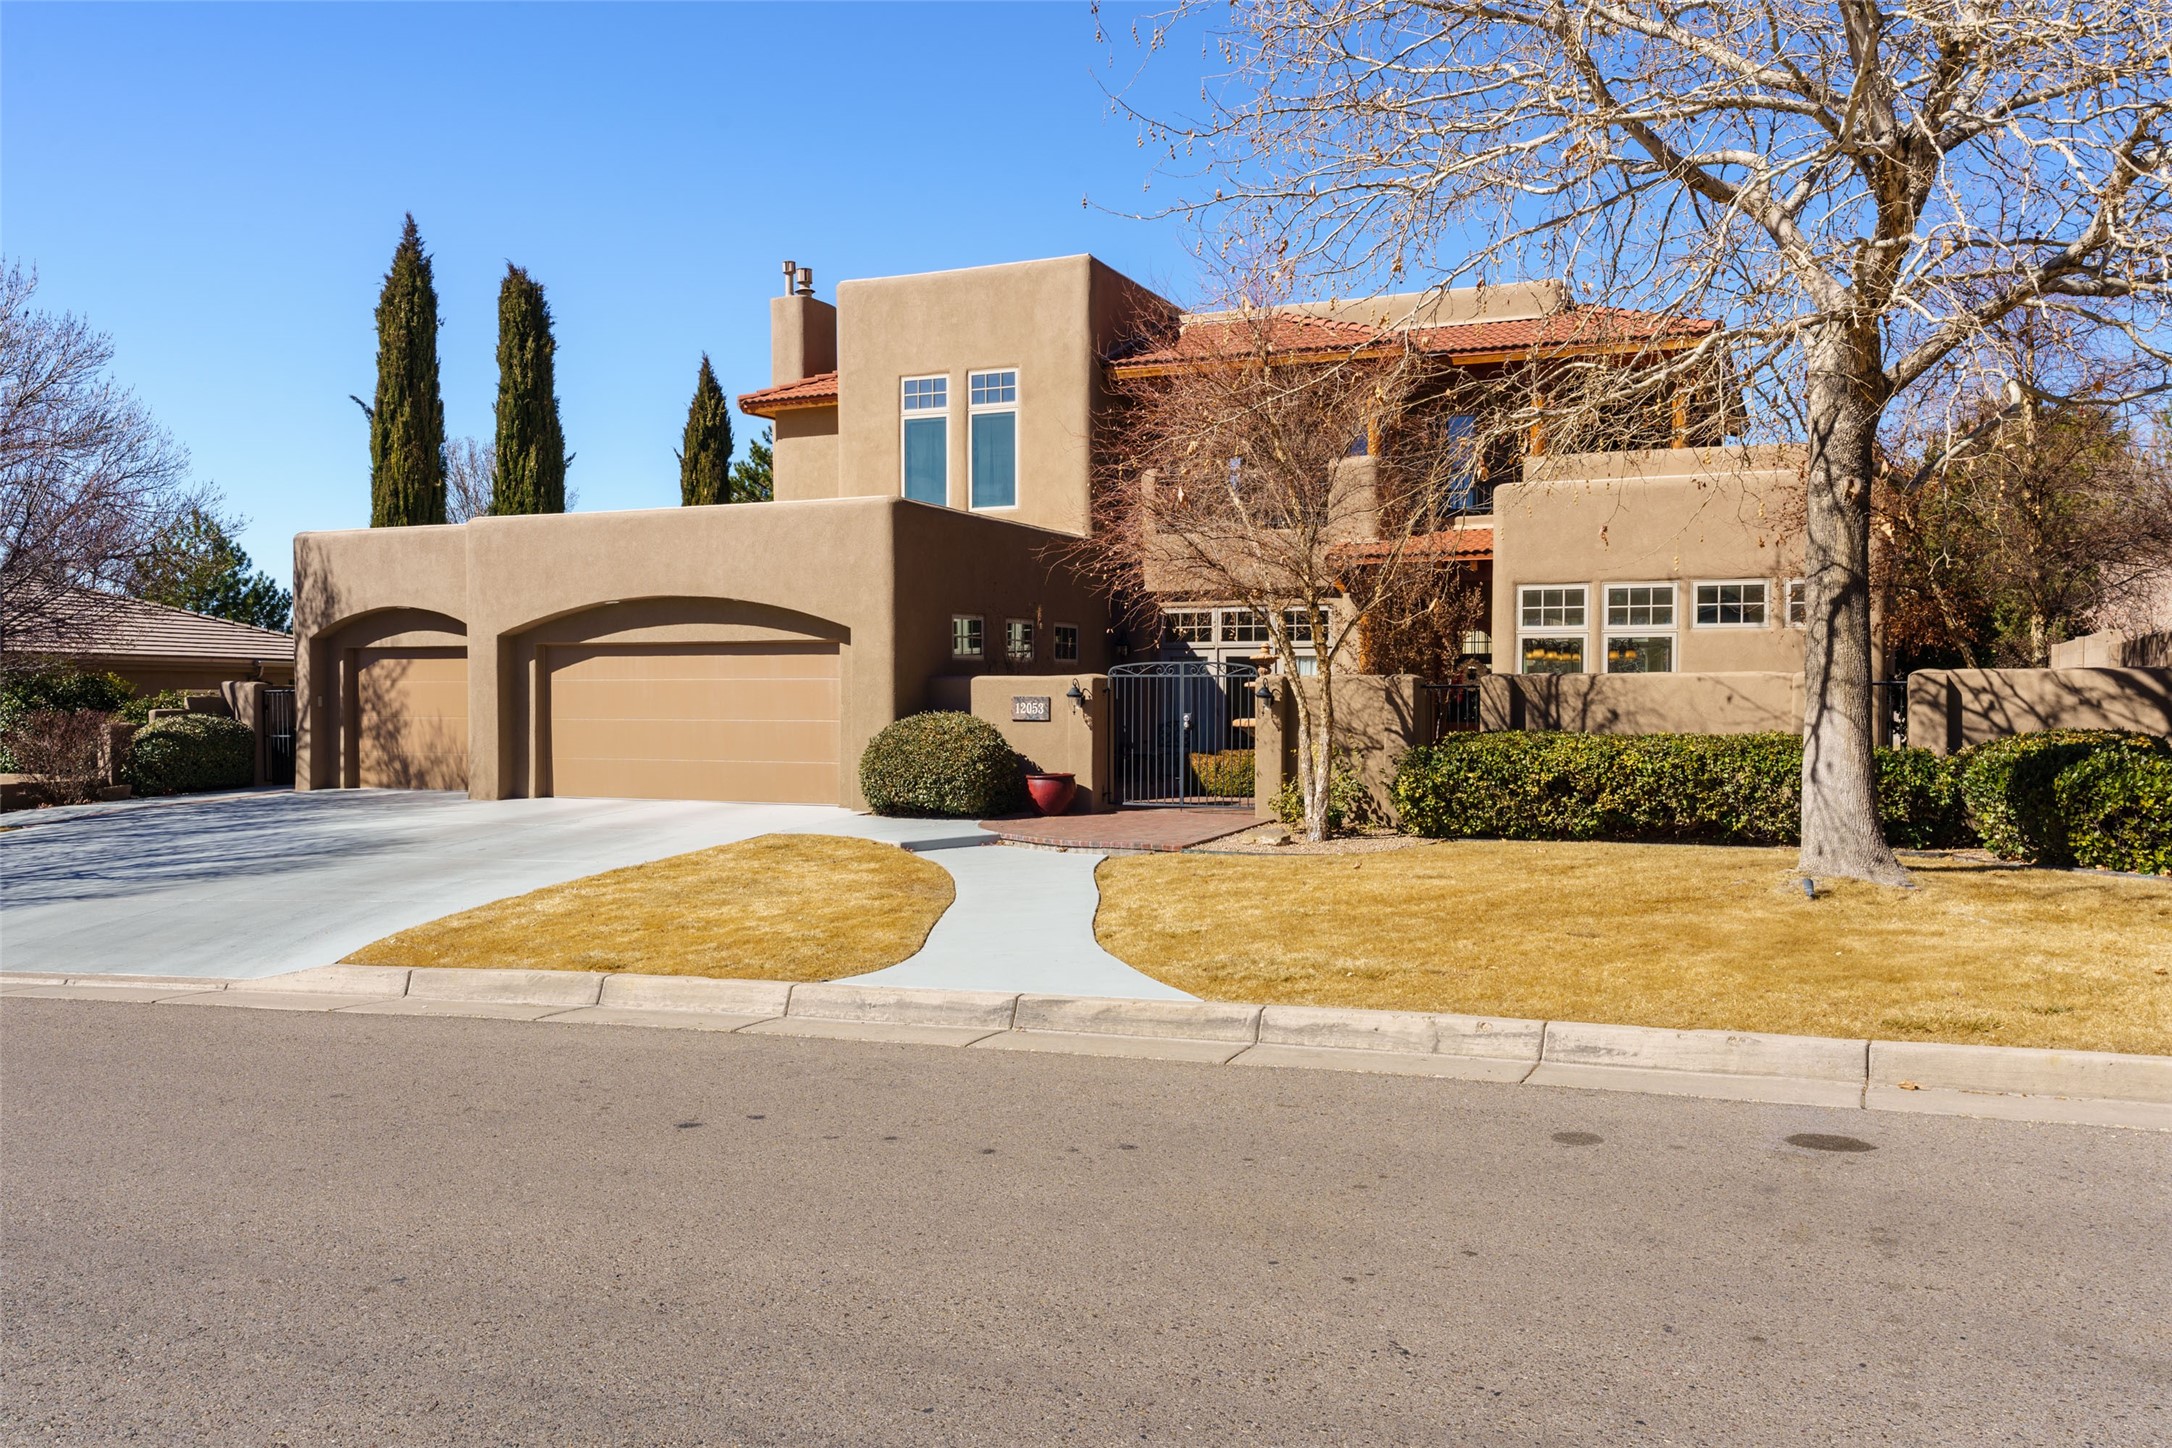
[(251, 885), (1023, 921)]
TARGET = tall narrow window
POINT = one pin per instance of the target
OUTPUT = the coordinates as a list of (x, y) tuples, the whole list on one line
[(965, 636), (1018, 639), (993, 410), (926, 406), (1066, 641)]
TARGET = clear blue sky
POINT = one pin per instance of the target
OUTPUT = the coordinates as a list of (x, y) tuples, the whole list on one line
[(220, 187)]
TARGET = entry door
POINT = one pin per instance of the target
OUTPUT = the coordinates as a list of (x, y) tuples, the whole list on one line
[(696, 721)]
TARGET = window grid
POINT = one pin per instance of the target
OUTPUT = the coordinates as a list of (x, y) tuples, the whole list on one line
[(965, 636), (993, 389), (1640, 605), (1066, 643), (1731, 605), (927, 394), (1018, 637), (1302, 631), (1554, 607), (1192, 625), (1242, 626), (1798, 603)]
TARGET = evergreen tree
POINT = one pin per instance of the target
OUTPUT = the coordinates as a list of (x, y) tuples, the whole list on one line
[(531, 449), (407, 425), (706, 453), (198, 566), (754, 476)]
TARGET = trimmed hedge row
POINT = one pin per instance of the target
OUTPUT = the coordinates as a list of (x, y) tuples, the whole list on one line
[(191, 753), (943, 765), (2092, 797)]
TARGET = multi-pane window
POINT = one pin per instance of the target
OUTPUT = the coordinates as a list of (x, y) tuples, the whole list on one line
[(1242, 626), (1302, 630), (965, 636), (1190, 625), (1066, 643), (1798, 603), (1554, 607), (1478, 643), (926, 405), (1640, 605), (992, 408), (1731, 605), (1018, 638)]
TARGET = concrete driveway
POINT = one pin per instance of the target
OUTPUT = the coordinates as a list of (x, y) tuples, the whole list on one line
[(255, 885)]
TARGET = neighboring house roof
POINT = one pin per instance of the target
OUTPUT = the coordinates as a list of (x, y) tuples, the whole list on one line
[(819, 390), (1296, 337), (128, 628), (1449, 545)]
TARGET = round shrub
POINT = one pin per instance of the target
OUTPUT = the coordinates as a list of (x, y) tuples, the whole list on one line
[(949, 766), (2010, 788), (191, 753), (2117, 808)]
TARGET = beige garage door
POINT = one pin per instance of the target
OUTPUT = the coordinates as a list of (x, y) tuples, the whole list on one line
[(411, 715), (714, 721)]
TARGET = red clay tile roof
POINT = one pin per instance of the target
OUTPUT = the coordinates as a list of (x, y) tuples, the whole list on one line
[(819, 390), (1449, 545), (1578, 325), (128, 628)]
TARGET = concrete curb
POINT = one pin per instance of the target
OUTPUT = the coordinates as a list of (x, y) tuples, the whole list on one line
[(2001, 1082)]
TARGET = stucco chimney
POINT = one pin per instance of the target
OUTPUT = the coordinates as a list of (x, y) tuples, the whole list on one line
[(802, 338)]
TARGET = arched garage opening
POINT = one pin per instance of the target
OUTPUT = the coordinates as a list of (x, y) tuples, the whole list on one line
[(687, 699), (402, 700)]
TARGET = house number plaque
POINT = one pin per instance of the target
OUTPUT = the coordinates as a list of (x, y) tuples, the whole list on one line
[(1030, 710)]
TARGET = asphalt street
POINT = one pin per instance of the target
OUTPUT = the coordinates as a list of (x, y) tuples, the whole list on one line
[(258, 1227)]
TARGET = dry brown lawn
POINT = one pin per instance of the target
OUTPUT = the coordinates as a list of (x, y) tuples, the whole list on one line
[(777, 907), (1662, 935)]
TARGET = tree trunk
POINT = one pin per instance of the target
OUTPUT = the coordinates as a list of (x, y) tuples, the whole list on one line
[(1841, 832)]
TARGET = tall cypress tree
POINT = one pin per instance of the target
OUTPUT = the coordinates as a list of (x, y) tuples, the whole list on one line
[(705, 457), (407, 426), (531, 473)]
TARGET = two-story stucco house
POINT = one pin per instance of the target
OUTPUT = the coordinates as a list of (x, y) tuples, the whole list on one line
[(934, 450)]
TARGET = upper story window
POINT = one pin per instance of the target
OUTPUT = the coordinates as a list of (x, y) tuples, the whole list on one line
[(965, 636), (1553, 606), (992, 409), (1640, 605), (926, 407), (1018, 638), (1798, 603), (1065, 638), (1189, 625), (1731, 605)]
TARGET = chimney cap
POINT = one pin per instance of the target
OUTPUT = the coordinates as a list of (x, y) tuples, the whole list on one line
[(805, 286)]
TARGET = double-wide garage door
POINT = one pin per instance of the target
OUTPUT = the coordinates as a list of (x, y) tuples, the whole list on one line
[(710, 721)]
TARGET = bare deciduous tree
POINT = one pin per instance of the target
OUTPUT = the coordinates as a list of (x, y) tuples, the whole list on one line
[(1295, 489), (469, 468), (1856, 190), (88, 482)]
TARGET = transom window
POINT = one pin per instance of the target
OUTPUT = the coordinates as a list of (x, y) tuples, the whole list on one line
[(1018, 637), (926, 439), (992, 407), (1640, 605), (965, 636), (1066, 643), (1554, 607), (1192, 625), (1301, 629), (1731, 605), (1242, 626)]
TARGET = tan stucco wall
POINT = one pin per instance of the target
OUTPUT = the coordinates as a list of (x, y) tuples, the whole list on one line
[(1683, 515), (1949, 709), (879, 577), (1074, 740), (1048, 319), (804, 460), (802, 338), (1378, 719), (1743, 703)]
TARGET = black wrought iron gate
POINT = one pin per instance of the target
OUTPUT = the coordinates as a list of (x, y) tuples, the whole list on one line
[(1183, 732), (279, 735)]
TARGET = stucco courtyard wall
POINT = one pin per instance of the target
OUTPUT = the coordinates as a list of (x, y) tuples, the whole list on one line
[(1075, 738), (1741, 703), (1950, 709)]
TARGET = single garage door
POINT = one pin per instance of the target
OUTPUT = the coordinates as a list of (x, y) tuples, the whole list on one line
[(695, 721), (411, 716)]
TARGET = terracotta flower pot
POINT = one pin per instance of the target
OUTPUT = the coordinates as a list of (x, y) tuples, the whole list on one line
[(1052, 793)]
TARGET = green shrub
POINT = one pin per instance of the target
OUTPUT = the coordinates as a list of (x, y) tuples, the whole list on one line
[(1349, 804), (191, 753), (945, 765), (1738, 789), (53, 689), (1227, 774), (2117, 808), (2010, 787)]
